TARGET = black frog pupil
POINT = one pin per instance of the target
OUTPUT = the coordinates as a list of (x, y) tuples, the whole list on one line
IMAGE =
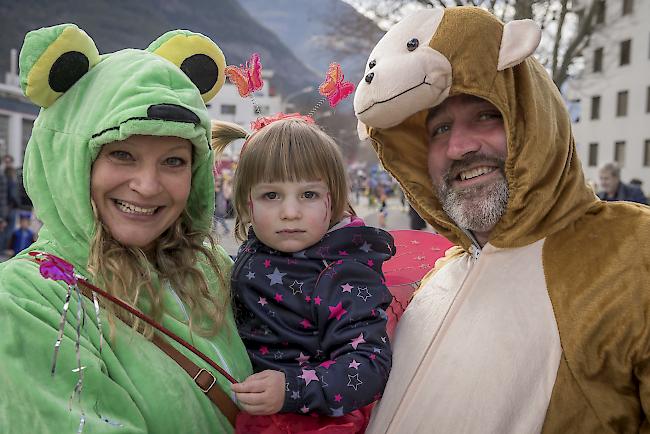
[(372, 64), (412, 44)]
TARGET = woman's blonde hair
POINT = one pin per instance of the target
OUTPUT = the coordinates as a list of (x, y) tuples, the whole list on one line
[(286, 150), (181, 256)]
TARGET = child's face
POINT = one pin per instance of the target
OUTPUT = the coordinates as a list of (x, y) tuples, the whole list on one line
[(290, 216)]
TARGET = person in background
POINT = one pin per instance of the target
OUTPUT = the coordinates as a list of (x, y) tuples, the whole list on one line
[(416, 222), (309, 295), (220, 206), (636, 182), (613, 189), (22, 237), (5, 228)]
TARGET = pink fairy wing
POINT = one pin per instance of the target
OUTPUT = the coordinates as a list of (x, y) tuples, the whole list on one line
[(255, 73), (342, 91), (416, 254), (333, 76), (239, 77)]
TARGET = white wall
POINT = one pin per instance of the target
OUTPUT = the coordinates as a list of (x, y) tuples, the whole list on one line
[(634, 128)]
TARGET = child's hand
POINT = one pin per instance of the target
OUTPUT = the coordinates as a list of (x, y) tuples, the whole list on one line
[(261, 393)]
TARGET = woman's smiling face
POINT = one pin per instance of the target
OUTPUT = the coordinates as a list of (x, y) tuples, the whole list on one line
[(140, 186)]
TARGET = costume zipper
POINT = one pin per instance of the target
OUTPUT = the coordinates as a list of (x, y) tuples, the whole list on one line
[(475, 248)]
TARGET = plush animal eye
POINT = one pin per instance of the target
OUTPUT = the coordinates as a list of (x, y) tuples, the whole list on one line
[(372, 64), (412, 44)]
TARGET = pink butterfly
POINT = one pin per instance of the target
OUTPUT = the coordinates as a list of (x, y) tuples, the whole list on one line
[(248, 79), (334, 88)]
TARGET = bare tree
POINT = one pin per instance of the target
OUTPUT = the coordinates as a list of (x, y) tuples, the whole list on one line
[(567, 24)]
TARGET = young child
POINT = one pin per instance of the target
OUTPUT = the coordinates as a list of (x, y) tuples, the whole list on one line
[(308, 287), (23, 236)]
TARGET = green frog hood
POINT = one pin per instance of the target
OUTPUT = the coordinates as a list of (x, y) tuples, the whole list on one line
[(89, 100)]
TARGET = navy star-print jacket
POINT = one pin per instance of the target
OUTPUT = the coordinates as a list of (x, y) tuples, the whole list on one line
[(319, 316)]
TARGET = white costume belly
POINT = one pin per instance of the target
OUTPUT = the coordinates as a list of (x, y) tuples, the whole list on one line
[(477, 350)]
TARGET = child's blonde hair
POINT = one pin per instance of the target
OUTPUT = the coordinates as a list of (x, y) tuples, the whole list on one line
[(287, 150)]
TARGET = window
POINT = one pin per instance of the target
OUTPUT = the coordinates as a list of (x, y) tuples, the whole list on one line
[(4, 135), (595, 107), (600, 12), (28, 125), (646, 153), (628, 7), (228, 109), (625, 52), (593, 154), (598, 59), (619, 152), (574, 110), (621, 103)]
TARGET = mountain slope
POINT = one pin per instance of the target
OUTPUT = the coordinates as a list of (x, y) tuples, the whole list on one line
[(118, 24)]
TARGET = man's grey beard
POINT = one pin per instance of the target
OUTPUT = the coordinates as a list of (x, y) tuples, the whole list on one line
[(476, 208)]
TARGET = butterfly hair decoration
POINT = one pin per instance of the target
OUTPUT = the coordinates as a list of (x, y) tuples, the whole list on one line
[(335, 88), (247, 78)]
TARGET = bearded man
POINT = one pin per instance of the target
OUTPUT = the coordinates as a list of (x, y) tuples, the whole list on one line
[(538, 321)]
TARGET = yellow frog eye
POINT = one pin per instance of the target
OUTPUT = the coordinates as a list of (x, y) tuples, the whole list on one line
[(197, 56), (53, 59)]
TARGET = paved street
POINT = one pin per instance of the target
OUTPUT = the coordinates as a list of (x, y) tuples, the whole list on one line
[(397, 219)]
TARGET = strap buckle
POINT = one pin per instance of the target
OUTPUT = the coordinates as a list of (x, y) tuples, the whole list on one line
[(196, 380)]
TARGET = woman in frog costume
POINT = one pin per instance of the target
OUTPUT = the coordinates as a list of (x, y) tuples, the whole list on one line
[(119, 168)]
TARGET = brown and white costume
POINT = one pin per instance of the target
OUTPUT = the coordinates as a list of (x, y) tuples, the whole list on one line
[(547, 327)]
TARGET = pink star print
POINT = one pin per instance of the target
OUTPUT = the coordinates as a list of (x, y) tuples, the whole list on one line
[(308, 299), (305, 323), (327, 363), (267, 263), (347, 287), (371, 262), (358, 340), (264, 350), (337, 311), (262, 301), (373, 356), (304, 409), (278, 297), (302, 358), (308, 375), (354, 364), (338, 397), (343, 253), (317, 300)]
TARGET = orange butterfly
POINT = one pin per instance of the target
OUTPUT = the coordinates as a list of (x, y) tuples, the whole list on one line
[(334, 87), (248, 79)]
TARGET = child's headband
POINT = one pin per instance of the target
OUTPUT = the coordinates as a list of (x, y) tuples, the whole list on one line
[(248, 79)]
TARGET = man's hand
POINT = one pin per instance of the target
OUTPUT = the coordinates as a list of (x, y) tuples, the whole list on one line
[(261, 393)]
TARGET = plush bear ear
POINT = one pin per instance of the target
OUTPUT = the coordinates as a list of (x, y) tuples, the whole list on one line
[(197, 56), (52, 59), (520, 39)]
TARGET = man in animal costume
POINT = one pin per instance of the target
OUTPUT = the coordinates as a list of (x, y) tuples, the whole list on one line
[(538, 321)]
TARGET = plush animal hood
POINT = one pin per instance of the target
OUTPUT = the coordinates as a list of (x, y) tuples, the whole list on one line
[(89, 100), (437, 53)]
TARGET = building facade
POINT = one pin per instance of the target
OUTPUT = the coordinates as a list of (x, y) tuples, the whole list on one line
[(17, 115), (610, 99)]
